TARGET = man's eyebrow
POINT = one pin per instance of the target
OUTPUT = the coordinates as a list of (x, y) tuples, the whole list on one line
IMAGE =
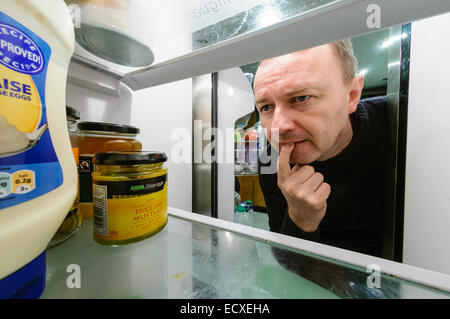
[(295, 91), (260, 100)]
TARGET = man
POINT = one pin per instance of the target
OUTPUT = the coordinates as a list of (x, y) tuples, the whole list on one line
[(329, 186)]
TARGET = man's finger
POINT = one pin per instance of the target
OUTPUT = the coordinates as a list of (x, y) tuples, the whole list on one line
[(324, 190), (284, 169), (313, 182), (302, 173)]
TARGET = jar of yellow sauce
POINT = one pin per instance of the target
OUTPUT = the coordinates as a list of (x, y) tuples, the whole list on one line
[(129, 196)]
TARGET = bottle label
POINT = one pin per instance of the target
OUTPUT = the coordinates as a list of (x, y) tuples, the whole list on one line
[(85, 169), (129, 209), (29, 167)]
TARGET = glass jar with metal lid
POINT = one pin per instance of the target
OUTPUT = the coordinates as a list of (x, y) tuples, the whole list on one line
[(73, 221), (97, 137), (129, 195)]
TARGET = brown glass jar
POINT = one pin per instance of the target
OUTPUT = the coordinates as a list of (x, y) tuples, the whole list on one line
[(97, 137)]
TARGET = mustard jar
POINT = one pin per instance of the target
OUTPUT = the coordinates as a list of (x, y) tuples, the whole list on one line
[(129, 196)]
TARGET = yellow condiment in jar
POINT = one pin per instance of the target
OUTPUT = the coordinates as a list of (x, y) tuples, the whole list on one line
[(129, 196)]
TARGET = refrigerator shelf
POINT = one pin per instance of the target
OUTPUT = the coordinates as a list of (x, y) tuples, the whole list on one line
[(201, 257), (198, 52)]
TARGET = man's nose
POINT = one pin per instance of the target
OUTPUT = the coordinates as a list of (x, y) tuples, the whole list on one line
[(283, 121)]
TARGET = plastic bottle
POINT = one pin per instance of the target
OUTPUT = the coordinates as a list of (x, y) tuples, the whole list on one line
[(241, 216), (243, 213), (38, 183)]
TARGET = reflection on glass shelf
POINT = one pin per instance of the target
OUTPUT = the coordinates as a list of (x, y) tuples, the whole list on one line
[(256, 15), (154, 32), (259, 220), (191, 260)]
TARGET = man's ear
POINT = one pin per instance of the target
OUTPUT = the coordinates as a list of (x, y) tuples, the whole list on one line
[(354, 94)]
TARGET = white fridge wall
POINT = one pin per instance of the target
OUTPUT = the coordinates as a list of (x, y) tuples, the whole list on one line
[(427, 193), (99, 107), (99, 98), (164, 115)]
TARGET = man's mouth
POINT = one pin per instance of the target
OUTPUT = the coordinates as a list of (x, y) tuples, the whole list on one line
[(284, 143)]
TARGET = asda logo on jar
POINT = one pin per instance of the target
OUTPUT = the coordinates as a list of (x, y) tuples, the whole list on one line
[(137, 188), (19, 52), (146, 186)]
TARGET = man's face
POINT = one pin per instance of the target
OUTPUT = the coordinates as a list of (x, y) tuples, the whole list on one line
[(305, 97)]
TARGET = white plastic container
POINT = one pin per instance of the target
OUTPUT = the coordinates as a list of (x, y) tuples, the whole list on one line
[(38, 183), (117, 31)]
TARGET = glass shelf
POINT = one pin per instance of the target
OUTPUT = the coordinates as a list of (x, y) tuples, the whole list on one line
[(191, 260), (148, 43), (127, 36)]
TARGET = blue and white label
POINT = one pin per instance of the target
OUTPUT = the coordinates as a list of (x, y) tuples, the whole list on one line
[(19, 52), (27, 171)]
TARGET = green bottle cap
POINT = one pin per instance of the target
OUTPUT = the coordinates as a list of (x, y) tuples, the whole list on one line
[(241, 209)]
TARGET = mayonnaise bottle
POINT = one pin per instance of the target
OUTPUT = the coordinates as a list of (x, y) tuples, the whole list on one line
[(38, 176)]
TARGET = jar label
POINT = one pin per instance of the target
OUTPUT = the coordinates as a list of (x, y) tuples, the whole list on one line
[(29, 167), (129, 209), (85, 168)]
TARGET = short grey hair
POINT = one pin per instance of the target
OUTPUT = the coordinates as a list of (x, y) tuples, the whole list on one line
[(344, 51)]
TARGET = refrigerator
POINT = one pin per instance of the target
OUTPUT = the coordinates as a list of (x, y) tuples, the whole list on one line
[(181, 71)]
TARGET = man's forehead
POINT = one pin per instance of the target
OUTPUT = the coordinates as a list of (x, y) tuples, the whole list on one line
[(303, 58), (303, 69)]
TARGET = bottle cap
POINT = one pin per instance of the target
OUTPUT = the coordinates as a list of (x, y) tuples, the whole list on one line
[(129, 158), (241, 209)]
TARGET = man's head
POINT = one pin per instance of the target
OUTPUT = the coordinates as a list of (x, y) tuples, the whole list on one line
[(308, 96)]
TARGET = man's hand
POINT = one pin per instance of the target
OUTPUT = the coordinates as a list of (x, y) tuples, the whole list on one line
[(304, 190)]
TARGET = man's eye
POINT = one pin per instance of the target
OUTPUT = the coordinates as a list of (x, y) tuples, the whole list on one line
[(302, 98), (265, 108)]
